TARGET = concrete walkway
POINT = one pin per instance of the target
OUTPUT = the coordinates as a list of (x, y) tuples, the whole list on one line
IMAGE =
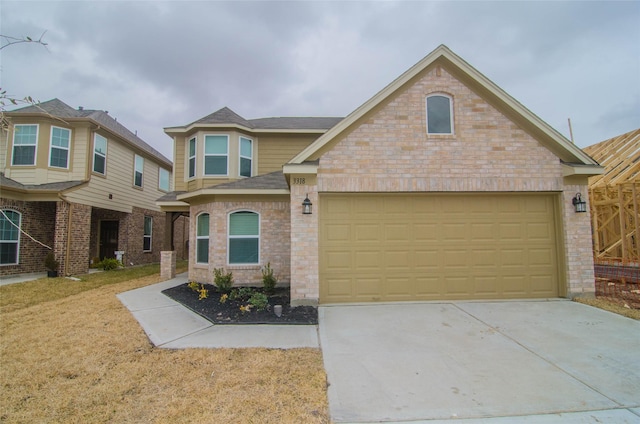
[(170, 325), (522, 362)]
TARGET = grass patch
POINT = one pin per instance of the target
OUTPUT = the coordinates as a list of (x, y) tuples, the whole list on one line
[(30, 293), (84, 358), (611, 306)]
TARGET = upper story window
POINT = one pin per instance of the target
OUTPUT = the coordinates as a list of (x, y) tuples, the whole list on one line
[(216, 151), (9, 236), (25, 138), (146, 238), (439, 114), (59, 147), (244, 238), (163, 179), (192, 157), (246, 156), (99, 154), (202, 238), (138, 169)]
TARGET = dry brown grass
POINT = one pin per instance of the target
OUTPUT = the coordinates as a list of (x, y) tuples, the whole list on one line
[(84, 358), (611, 305)]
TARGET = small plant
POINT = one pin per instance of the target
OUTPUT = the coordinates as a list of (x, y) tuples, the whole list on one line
[(245, 308), (269, 281), (222, 280), (108, 264), (203, 293), (223, 298), (50, 262), (259, 301), (193, 286), (241, 293)]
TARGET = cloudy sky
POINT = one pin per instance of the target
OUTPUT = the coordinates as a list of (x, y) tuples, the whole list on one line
[(159, 64)]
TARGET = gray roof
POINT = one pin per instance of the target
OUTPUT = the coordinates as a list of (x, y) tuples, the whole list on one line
[(53, 187), (57, 108), (272, 181), (227, 116), (170, 197)]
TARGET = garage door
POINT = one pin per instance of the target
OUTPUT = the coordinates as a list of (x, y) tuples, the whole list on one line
[(386, 247)]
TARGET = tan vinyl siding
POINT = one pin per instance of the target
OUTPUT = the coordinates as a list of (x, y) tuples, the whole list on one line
[(179, 163), (118, 183), (277, 149)]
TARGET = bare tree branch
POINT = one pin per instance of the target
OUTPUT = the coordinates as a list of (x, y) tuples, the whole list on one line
[(9, 40)]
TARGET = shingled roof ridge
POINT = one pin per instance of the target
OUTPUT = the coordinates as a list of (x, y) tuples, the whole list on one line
[(224, 116)]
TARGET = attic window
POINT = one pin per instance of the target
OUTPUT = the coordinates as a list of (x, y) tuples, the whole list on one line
[(439, 114)]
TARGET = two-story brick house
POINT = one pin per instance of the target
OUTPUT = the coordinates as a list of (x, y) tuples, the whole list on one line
[(81, 184), (441, 186)]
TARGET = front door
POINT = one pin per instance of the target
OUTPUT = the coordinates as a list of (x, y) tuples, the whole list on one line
[(108, 239)]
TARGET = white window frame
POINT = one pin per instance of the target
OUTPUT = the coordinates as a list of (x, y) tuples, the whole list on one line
[(145, 235), (189, 156), (136, 170), (168, 177), (51, 147), (16, 242), (229, 237), (104, 155), (451, 117), (205, 155), (35, 145), (199, 237), (245, 157)]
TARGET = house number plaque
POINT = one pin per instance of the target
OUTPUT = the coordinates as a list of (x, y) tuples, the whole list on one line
[(299, 181)]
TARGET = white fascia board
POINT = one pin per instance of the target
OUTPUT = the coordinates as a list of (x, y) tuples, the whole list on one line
[(569, 169), (246, 191), (299, 168)]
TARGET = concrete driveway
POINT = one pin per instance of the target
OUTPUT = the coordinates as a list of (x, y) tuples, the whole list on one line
[(524, 361)]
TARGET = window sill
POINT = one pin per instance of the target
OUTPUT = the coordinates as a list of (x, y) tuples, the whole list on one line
[(247, 267)]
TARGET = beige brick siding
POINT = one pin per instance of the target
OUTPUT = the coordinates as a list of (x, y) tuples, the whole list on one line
[(274, 242), (391, 151), (72, 237), (305, 288)]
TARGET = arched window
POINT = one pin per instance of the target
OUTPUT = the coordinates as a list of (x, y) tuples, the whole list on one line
[(202, 238), (439, 114), (9, 236), (244, 238)]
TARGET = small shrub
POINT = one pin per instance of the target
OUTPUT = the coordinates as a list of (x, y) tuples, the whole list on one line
[(203, 293), (193, 286), (242, 293), (259, 301), (245, 308), (50, 262), (222, 280), (108, 264), (223, 298), (269, 281)]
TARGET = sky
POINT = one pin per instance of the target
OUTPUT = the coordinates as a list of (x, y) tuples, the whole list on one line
[(168, 63)]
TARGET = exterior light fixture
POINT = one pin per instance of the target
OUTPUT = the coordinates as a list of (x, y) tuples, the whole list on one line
[(307, 206), (579, 204)]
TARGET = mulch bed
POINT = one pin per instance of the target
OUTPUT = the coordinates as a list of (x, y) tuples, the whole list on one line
[(229, 312)]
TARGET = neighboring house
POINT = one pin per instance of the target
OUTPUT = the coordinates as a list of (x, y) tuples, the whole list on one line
[(80, 183), (440, 187), (615, 199)]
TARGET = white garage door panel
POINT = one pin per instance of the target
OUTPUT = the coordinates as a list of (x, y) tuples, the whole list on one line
[(386, 247)]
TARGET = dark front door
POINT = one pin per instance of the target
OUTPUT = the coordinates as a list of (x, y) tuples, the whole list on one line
[(108, 239)]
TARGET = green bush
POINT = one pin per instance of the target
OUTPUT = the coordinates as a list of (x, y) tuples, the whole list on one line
[(241, 293), (223, 281), (259, 301), (269, 281), (108, 264)]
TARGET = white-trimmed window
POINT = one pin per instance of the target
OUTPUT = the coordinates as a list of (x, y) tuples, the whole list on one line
[(246, 156), (25, 139), (439, 114), (202, 238), (9, 236), (244, 238), (99, 154), (138, 169), (192, 157), (163, 179), (216, 154), (148, 229), (59, 147)]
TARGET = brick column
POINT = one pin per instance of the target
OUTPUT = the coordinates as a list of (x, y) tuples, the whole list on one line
[(305, 289), (167, 264), (72, 237)]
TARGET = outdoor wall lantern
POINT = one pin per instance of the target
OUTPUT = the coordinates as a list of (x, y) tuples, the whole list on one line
[(579, 204), (307, 206)]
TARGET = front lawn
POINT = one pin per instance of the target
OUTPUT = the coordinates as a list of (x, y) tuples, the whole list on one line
[(71, 352)]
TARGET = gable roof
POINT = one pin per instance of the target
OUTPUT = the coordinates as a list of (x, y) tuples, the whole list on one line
[(549, 137), (9, 184), (226, 117), (620, 157), (59, 109)]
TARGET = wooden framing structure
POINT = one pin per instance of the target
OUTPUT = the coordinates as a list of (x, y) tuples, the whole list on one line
[(615, 199)]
